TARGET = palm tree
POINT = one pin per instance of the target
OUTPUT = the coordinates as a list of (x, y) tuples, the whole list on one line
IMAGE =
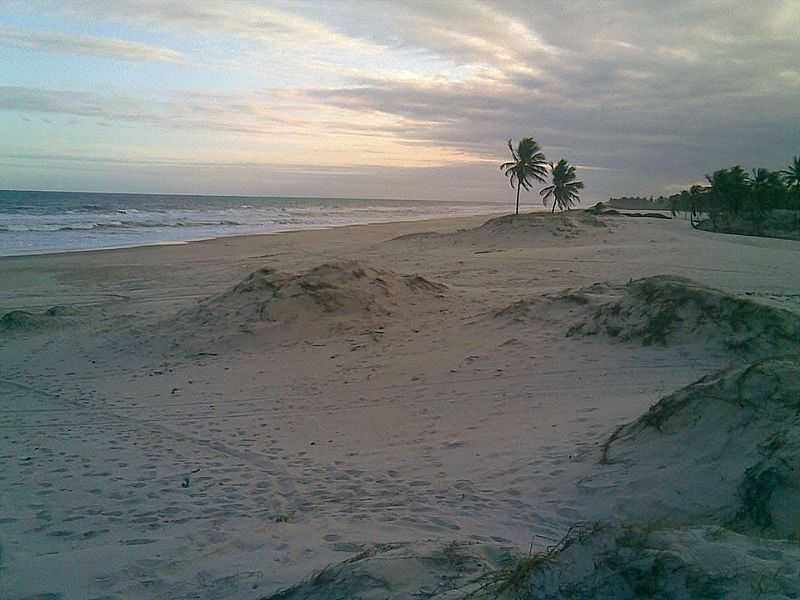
[(528, 163), (697, 193), (791, 175), (728, 191), (565, 188), (766, 193)]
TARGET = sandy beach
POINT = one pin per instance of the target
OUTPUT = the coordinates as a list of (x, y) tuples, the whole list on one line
[(223, 419)]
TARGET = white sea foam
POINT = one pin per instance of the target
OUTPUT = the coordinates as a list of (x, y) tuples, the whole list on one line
[(39, 222)]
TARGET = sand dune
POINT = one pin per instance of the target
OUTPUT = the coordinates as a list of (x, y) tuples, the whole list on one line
[(404, 572), (623, 563), (520, 230), (22, 321), (723, 450), (657, 563), (666, 310), (328, 298), (661, 309)]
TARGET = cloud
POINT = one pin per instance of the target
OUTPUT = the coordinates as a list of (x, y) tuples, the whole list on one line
[(275, 125), (643, 93), (676, 88), (247, 19), (468, 32), (86, 45)]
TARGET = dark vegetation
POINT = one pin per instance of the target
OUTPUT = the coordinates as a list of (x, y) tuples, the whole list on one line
[(22, 321), (600, 209), (736, 202), (761, 202)]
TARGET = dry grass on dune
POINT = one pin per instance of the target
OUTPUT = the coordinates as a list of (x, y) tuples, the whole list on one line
[(638, 563), (404, 571), (624, 563)]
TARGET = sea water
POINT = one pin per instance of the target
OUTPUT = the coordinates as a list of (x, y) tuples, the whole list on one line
[(40, 222)]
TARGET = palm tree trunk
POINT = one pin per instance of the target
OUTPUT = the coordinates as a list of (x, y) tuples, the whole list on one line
[(516, 212)]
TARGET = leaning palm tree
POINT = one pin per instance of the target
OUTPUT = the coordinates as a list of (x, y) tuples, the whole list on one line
[(565, 187), (528, 163)]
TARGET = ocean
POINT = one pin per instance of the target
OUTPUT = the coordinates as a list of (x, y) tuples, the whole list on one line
[(43, 222)]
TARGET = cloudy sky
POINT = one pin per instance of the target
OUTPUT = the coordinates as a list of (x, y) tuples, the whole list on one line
[(398, 99)]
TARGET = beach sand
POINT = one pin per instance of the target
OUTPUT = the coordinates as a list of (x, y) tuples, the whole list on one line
[(223, 419)]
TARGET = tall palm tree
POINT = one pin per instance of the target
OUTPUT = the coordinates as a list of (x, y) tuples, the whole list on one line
[(528, 163), (565, 187)]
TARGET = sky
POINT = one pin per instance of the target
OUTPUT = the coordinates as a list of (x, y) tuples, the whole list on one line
[(391, 99)]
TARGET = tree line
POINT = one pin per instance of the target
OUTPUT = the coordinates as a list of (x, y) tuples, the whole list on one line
[(734, 200)]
